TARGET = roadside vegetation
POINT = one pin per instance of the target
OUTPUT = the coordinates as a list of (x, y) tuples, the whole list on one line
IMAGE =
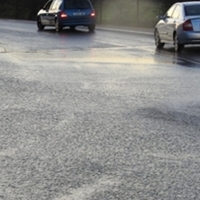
[(113, 12), (129, 12)]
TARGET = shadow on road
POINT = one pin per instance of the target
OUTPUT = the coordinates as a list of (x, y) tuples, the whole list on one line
[(76, 31), (188, 57)]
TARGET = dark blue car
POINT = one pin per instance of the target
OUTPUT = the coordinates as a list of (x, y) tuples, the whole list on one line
[(71, 13)]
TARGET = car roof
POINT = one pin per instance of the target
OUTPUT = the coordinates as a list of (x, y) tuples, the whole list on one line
[(190, 3)]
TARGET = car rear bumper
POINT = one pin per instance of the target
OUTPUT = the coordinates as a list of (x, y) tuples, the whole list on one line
[(75, 22), (190, 37)]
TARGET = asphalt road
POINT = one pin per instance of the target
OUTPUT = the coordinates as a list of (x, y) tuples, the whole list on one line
[(97, 116)]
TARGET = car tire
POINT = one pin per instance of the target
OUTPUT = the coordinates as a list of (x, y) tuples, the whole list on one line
[(58, 27), (91, 27), (39, 24), (177, 46), (158, 43)]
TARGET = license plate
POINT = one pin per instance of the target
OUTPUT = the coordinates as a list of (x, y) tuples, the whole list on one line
[(79, 13)]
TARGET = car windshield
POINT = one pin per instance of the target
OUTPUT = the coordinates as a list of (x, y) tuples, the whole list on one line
[(81, 4), (192, 10)]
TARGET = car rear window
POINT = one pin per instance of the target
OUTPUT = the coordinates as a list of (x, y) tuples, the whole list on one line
[(81, 4), (192, 10)]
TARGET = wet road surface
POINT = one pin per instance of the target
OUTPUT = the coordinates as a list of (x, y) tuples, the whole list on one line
[(96, 116)]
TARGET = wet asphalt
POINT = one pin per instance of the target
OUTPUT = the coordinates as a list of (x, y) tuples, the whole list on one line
[(97, 116)]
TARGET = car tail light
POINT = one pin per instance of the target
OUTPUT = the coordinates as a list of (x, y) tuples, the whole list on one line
[(187, 26), (63, 15), (93, 14)]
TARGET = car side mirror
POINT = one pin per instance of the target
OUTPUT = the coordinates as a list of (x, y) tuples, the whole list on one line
[(44, 8), (160, 17)]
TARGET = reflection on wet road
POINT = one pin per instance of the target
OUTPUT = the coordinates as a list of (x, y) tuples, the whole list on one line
[(189, 57), (96, 116)]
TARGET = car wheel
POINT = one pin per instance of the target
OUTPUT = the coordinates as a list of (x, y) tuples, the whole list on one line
[(158, 43), (58, 26), (178, 47), (91, 27), (39, 24)]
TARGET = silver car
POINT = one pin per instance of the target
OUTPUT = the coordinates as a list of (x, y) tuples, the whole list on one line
[(179, 26)]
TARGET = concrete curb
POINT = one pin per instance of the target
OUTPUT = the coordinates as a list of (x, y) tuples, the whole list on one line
[(143, 31)]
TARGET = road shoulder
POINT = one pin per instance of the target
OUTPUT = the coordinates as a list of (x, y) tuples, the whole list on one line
[(136, 30)]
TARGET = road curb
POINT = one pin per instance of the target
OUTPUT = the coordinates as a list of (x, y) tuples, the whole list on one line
[(127, 30)]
